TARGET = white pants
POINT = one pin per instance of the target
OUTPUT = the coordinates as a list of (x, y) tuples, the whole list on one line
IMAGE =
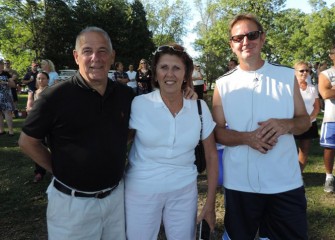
[(78, 218), (177, 209)]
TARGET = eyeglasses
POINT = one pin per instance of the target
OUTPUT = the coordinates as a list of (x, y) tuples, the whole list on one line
[(303, 70), (250, 35)]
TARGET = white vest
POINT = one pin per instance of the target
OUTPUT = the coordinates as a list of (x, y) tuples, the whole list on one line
[(249, 97)]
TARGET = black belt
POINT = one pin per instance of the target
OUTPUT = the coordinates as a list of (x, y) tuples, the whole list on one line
[(64, 189)]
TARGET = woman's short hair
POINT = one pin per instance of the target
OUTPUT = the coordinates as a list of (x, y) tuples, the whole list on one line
[(178, 50), (299, 63)]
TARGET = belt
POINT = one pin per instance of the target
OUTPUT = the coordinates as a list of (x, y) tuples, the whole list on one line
[(64, 189)]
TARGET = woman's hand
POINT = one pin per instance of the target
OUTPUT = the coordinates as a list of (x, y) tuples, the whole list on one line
[(208, 213)]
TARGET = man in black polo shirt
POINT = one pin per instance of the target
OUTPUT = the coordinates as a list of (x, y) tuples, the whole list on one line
[(86, 122)]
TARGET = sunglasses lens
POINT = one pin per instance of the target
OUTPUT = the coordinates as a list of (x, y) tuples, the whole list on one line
[(303, 70), (253, 35), (237, 38)]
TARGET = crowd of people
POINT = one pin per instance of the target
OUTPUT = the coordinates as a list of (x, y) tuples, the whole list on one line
[(95, 193)]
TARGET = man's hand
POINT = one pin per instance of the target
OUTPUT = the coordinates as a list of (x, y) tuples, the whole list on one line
[(189, 93)]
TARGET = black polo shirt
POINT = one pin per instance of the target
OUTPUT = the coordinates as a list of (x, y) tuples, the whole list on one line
[(87, 132)]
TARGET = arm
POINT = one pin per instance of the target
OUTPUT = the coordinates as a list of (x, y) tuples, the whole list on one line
[(273, 128), (208, 211), (34, 148), (230, 137), (325, 87), (28, 79), (189, 93), (124, 79), (316, 109), (30, 101), (11, 83), (131, 135)]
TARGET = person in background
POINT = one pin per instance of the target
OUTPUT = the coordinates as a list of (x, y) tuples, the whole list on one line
[(198, 81), (161, 179), (15, 77), (310, 96), (6, 100), (42, 84), (30, 78), (86, 121), (263, 107), (132, 78), (232, 64), (143, 78), (49, 67), (119, 75), (327, 138)]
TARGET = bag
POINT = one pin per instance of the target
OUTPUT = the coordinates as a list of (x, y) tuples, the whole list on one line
[(200, 160)]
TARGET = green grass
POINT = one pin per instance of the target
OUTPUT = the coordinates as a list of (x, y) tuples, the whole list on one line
[(23, 203)]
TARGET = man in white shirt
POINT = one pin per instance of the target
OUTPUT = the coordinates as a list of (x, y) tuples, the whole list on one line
[(132, 78), (262, 105)]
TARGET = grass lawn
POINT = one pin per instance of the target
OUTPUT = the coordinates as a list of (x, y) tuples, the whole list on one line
[(23, 203)]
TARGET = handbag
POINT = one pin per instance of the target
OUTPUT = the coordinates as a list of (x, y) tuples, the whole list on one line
[(200, 160)]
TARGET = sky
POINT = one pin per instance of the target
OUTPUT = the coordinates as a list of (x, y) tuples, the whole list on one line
[(189, 39)]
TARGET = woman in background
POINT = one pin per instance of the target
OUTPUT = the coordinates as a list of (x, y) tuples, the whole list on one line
[(310, 96), (48, 67), (143, 78), (42, 84)]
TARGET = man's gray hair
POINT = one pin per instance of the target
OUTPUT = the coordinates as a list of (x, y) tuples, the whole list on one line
[(93, 29)]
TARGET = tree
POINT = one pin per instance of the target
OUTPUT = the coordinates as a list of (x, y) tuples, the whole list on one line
[(58, 34), (140, 43), (167, 21), (317, 5), (19, 33), (214, 64)]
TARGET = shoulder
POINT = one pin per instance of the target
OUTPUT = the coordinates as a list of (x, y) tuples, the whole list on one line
[(277, 65), (228, 75)]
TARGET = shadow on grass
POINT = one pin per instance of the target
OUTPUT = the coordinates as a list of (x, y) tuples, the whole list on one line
[(312, 179)]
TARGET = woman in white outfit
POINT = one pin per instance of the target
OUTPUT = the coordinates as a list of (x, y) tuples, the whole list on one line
[(161, 179)]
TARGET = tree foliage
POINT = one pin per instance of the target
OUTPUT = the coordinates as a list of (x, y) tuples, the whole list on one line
[(167, 20), (47, 29), (291, 35)]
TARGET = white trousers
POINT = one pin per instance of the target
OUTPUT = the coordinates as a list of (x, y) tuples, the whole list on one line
[(78, 218), (177, 209)]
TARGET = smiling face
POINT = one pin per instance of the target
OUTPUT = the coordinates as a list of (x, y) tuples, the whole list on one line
[(94, 57), (301, 72), (247, 50), (170, 73)]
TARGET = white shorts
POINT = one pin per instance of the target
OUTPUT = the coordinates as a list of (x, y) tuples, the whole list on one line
[(79, 218), (177, 209)]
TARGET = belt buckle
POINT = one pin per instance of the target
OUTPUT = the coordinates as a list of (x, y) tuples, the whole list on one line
[(99, 195)]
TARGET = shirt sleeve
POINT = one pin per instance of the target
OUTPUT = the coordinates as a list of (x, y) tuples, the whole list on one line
[(207, 119)]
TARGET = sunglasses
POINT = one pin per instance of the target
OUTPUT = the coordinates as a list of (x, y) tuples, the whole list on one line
[(166, 48), (250, 35), (303, 70)]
